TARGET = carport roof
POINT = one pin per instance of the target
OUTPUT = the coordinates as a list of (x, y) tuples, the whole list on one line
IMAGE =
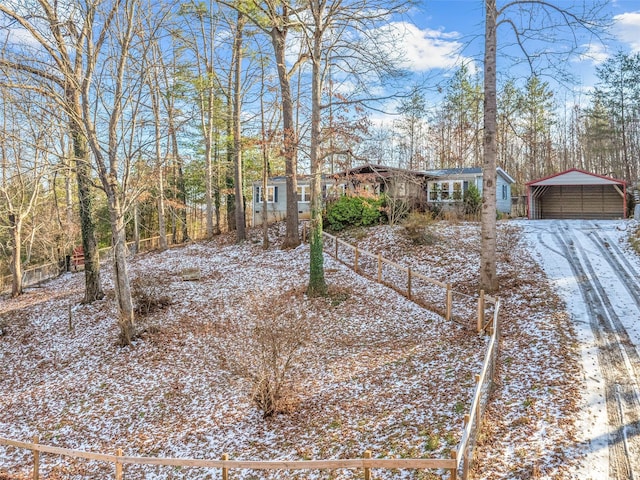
[(575, 176)]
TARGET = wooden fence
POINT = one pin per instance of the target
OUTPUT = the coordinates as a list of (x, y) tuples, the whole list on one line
[(32, 276), (119, 460), (373, 265), (40, 273), (435, 295)]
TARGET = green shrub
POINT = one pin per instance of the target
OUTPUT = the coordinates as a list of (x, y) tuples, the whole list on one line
[(472, 200), (353, 212)]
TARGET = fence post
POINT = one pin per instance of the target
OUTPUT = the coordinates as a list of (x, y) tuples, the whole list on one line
[(119, 453), (449, 301), (479, 403), (367, 470), (355, 261), (409, 283), (225, 470), (335, 240), (454, 470), (379, 267), (36, 460), (481, 311)]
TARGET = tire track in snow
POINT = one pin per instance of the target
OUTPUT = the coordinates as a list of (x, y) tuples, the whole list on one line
[(617, 357)]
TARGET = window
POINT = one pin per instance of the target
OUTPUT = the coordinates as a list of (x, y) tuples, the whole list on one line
[(457, 190), (446, 191), (304, 193), (505, 192), (434, 190), (272, 194)]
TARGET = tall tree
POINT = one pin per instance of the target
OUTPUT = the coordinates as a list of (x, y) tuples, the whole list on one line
[(412, 125), (237, 127), (60, 32), (537, 109), (24, 137), (277, 18), (198, 36), (619, 91), (344, 34)]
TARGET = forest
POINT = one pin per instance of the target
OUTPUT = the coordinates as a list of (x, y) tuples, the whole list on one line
[(131, 119)]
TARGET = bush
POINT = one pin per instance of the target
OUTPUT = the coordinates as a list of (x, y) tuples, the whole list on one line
[(148, 294), (472, 200), (350, 211), (264, 347), (417, 227)]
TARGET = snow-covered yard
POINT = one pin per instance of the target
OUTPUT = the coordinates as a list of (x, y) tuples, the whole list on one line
[(376, 371)]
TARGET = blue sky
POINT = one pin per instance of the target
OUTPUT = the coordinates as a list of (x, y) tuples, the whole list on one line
[(449, 31)]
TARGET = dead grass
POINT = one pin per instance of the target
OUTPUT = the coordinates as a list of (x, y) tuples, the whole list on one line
[(373, 372)]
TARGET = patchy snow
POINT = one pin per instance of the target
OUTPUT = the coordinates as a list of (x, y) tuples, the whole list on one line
[(599, 279), (379, 373)]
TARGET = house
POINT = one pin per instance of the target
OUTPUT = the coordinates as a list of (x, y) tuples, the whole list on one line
[(398, 183), (447, 188), (405, 185), (416, 189), (576, 194), (276, 194)]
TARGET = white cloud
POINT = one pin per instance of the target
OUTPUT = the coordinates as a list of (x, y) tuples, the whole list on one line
[(427, 49), (627, 28), (596, 53)]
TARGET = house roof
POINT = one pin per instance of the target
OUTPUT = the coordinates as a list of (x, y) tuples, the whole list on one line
[(380, 170), (445, 172), (472, 171), (575, 176)]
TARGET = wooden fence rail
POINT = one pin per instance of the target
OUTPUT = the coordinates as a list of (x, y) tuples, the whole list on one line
[(34, 275), (119, 460), (485, 381), (414, 285)]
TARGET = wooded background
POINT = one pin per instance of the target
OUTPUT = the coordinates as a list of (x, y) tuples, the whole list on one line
[(128, 119)]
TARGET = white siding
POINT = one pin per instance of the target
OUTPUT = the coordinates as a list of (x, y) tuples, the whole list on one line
[(576, 178)]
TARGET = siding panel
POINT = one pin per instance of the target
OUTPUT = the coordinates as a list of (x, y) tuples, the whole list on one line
[(581, 202)]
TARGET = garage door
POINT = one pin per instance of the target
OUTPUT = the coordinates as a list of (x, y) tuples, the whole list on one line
[(581, 201)]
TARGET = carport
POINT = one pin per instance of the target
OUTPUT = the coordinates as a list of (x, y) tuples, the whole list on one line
[(577, 194)]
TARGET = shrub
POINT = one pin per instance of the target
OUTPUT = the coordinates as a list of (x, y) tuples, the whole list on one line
[(265, 347), (417, 228), (472, 200), (148, 294), (350, 211)]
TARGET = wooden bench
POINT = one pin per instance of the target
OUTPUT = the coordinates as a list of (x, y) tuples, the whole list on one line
[(77, 258)]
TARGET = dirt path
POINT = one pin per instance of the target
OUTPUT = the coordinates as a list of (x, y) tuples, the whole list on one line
[(600, 285)]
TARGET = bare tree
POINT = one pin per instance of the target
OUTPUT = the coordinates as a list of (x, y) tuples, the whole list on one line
[(331, 27), (60, 31), (24, 137), (241, 234)]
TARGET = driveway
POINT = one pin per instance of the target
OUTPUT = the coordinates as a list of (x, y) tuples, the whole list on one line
[(599, 280)]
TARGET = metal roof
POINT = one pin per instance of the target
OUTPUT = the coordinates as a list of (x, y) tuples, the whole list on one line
[(575, 176)]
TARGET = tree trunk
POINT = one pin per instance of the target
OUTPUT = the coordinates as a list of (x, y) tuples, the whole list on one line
[(162, 222), (289, 138), (180, 183), (488, 278), (15, 223), (317, 283), (120, 272), (237, 132), (136, 227), (93, 287)]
